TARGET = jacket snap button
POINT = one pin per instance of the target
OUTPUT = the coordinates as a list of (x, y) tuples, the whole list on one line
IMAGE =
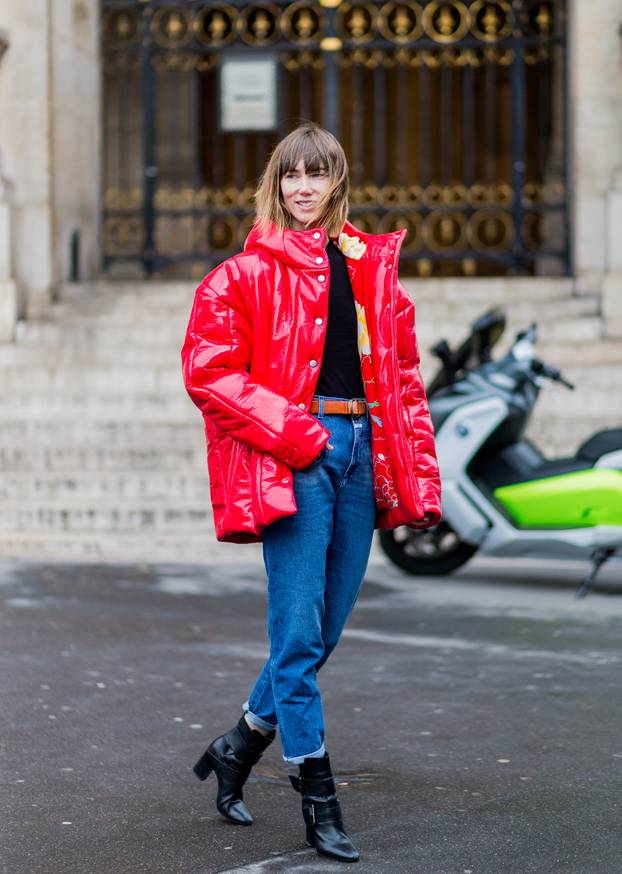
[(285, 480), (302, 406), (319, 260), (313, 362), (321, 277), (319, 321), (316, 235)]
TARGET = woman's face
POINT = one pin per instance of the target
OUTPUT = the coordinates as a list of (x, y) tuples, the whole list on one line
[(302, 192)]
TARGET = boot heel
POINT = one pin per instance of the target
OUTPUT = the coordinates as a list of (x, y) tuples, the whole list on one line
[(203, 767)]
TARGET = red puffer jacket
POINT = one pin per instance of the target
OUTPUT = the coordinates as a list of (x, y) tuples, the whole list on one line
[(251, 360)]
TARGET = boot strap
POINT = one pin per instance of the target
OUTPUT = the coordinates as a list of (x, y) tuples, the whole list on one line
[(248, 753), (322, 812), (323, 786)]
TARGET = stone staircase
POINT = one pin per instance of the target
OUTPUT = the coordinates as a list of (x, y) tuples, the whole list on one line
[(102, 453)]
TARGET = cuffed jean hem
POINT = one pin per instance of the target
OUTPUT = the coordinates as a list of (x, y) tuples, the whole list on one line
[(298, 760), (257, 719)]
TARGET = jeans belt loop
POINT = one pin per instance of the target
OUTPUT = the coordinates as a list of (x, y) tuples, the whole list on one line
[(321, 407)]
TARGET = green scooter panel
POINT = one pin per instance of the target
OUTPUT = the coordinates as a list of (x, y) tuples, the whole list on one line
[(572, 500)]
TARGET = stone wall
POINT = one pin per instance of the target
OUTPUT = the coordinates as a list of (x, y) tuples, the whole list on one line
[(49, 141), (76, 127), (595, 83)]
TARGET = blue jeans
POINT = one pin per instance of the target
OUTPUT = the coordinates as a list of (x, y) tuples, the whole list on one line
[(315, 561)]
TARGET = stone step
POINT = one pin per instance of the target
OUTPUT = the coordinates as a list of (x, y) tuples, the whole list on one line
[(534, 289), (604, 353), (186, 547), (110, 434), (69, 457), (112, 309), (92, 379), (112, 517), (119, 487), (171, 406), (558, 330), (171, 419), (558, 436), (134, 341), (176, 310), (88, 335)]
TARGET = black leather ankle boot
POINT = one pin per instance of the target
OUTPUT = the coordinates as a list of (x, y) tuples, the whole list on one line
[(321, 810), (232, 756)]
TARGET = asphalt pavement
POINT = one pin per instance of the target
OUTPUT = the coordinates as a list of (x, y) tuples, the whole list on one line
[(473, 722)]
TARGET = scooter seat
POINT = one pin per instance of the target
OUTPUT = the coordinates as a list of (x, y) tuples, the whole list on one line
[(557, 467), (600, 444)]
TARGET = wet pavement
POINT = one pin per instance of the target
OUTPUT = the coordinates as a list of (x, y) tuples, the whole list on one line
[(474, 723)]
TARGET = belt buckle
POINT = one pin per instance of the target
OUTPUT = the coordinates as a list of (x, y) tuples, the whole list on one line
[(352, 408)]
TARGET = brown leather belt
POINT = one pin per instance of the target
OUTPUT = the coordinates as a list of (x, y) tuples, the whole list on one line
[(347, 408)]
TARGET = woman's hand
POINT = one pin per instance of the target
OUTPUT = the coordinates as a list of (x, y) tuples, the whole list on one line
[(421, 523)]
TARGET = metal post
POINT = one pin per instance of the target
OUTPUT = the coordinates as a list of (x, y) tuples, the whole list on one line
[(150, 170), (518, 172), (330, 45)]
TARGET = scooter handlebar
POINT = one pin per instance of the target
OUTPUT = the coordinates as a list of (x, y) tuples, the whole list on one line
[(550, 372)]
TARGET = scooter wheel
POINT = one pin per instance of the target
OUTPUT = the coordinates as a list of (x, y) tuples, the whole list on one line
[(427, 552)]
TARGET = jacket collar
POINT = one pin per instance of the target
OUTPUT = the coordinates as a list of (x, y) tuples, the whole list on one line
[(301, 248)]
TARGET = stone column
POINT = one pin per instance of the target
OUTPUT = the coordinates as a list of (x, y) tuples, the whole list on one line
[(612, 284), (8, 290), (50, 137), (595, 72)]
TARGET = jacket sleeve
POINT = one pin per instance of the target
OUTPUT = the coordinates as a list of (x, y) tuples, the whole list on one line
[(416, 403), (216, 359)]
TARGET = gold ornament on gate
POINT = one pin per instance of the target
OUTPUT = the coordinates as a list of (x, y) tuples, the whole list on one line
[(302, 23), (216, 25), (491, 21), (259, 24), (445, 22), (401, 22), (356, 21)]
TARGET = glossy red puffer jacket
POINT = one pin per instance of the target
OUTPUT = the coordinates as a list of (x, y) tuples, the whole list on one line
[(251, 360)]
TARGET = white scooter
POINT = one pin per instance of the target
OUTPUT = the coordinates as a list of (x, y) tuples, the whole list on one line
[(501, 496)]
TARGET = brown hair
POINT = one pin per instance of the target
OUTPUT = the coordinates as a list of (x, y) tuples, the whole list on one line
[(319, 150)]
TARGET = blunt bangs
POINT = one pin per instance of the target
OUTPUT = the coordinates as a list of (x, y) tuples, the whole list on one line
[(304, 150), (319, 151)]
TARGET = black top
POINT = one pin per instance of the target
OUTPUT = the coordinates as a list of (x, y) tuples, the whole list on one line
[(340, 374)]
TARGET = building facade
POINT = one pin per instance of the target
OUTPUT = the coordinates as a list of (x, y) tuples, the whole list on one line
[(491, 131)]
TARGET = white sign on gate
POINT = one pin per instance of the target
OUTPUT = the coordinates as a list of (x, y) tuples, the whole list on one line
[(248, 94)]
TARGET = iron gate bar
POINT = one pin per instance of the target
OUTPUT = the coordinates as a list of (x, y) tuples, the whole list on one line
[(358, 167), (380, 162), (331, 84), (518, 108), (445, 119), (424, 116), (468, 129), (403, 114), (150, 169)]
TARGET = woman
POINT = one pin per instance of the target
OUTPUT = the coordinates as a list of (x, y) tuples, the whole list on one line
[(301, 354)]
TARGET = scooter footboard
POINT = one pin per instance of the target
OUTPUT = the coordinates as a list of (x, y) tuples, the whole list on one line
[(463, 516)]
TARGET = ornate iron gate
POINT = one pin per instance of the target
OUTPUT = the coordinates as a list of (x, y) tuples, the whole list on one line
[(453, 116)]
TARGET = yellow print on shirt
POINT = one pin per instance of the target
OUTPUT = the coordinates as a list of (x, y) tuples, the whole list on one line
[(361, 331)]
